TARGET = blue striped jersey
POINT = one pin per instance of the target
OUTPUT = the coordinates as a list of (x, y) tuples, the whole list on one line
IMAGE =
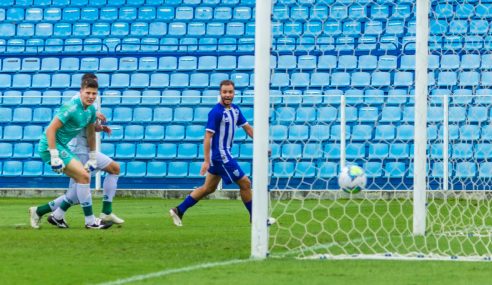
[(223, 123)]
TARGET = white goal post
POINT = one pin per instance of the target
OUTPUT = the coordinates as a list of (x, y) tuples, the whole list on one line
[(401, 88)]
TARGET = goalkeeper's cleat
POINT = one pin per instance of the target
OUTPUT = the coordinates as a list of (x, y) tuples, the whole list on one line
[(62, 224), (111, 218), (99, 225), (34, 217), (177, 217)]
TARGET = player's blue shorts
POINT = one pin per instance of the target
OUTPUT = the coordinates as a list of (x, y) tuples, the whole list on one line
[(229, 171)]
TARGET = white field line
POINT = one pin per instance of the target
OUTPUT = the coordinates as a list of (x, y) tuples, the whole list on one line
[(175, 270)]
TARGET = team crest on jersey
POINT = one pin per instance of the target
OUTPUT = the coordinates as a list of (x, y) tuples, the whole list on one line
[(225, 118), (63, 154), (236, 172)]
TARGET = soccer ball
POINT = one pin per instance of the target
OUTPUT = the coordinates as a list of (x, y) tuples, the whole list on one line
[(352, 179)]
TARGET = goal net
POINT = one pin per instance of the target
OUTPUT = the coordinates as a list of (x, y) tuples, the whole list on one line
[(342, 91)]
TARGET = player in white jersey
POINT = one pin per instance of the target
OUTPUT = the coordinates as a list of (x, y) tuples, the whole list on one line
[(80, 148)]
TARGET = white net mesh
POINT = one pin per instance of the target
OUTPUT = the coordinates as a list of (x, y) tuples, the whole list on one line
[(358, 58)]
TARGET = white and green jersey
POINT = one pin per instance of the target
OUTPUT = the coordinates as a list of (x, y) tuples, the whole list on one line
[(74, 118), (79, 143)]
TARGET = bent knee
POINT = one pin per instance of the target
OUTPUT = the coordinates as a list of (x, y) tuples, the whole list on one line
[(113, 168), (83, 178)]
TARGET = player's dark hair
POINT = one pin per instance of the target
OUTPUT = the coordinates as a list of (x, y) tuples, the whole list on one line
[(89, 83), (226, 82), (89, 76)]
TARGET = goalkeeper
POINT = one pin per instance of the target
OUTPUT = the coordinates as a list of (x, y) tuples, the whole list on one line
[(78, 145), (74, 116), (223, 120)]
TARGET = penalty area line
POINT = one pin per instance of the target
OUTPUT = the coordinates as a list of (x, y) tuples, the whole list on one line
[(175, 270)]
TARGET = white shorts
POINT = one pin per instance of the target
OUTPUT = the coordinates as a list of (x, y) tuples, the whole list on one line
[(102, 160)]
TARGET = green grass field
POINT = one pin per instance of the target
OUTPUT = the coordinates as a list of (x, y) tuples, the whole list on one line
[(213, 247)]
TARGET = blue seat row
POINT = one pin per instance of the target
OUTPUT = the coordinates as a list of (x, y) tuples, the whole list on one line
[(126, 13), (117, 3), (151, 169), (243, 62)]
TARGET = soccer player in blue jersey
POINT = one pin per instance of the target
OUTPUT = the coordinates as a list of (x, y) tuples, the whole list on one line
[(223, 120)]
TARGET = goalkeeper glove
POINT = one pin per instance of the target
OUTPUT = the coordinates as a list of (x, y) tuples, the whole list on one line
[(56, 163), (91, 164)]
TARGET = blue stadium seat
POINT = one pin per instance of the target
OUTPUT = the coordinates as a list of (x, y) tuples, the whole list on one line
[(175, 132), (60, 80), (361, 132), (285, 114), (278, 132), (390, 114), (122, 114), (32, 168), (42, 115), (462, 151), (312, 150), (469, 132), (128, 64), (322, 79), (207, 63), (404, 132), (305, 169), (32, 133), (319, 132), (12, 97), (187, 150), (328, 170), (177, 169), (355, 150), (131, 97), (151, 97), (146, 151), (335, 132), (378, 151), (399, 151), (340, 79), (485, 170), (120, 80), (283, 169), (291, 150), (163, 114), (142, 114), (195, 132), (22, 114), (373, 169), (306, 114), (125, 150), (171, 97), (477, 114), (23, 150), (111, 97), (21, 80), (384, 132), (183, 114), (5, 150), (108, 64), (107, 149), (380, 78), (465, 169), (134, 132), (12, 168), (136, 169), (41, 80), (470, 61), (159, 80), (457, 114), (368, 114), (395, 169), (166, 150), (332, 151), (156, 169), (387, 62)]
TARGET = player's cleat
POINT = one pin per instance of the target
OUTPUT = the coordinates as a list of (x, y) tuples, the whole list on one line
[(62, 224), (99, 225), (111, 218), (33, 216), (177, 217), (271, 221)]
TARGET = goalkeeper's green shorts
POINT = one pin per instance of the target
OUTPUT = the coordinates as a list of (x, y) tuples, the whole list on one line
[(65, 154)]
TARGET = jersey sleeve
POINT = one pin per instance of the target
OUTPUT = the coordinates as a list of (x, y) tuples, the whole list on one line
[(65, 112), (213, 121), (241, 120)]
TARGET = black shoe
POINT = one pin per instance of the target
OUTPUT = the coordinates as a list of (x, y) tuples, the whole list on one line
[(62, 224), (99, 225), (176, 216)]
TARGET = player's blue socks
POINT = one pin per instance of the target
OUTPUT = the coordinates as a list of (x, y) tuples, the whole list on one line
[(187, 203), (249, 206)]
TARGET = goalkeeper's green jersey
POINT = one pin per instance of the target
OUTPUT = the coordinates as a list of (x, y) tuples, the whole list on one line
[(74, 118)]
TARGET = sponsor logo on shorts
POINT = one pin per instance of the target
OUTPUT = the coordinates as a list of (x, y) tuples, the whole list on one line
[(236, 172), (63, 154)]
